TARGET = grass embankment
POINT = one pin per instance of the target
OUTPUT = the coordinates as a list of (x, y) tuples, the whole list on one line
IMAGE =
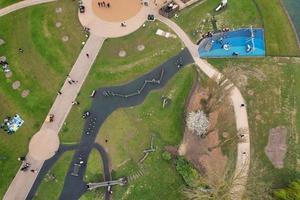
[(270, 87), (41, 69), (279, 35), (52, 184), (129, 132), (110, 69)]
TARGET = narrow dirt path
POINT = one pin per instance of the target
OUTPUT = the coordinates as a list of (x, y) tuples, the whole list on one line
[(238, 102)]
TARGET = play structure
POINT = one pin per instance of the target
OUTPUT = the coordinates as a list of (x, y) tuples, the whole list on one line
[(242, 42), (222, 5)]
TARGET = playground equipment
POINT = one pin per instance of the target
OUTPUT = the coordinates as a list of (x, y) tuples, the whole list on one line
[(121, 181), (251, 47), (149, 150), (222, 5)]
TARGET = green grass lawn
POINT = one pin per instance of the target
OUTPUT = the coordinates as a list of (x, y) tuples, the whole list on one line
[(4, 3), (237, 14), (41, 69), (280, 38), (272, 97), (51, 188), (131, 134), (279, 35), (110, 69), (94, 170)]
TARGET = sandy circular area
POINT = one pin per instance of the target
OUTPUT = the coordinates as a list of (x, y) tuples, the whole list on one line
[(119, 10), (16, 85), (44, 144)]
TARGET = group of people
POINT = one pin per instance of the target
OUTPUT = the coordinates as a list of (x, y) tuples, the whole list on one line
[(5, 66), (103, 4), (26, 165)]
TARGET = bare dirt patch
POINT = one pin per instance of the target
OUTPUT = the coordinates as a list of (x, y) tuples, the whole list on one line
[(276, 148), (195, 149)]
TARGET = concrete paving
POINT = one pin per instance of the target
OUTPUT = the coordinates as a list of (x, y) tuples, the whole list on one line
[(22, 4)]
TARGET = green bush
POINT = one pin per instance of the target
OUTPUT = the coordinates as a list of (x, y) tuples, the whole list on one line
[(189, 174), (166, 156), (292, 192)]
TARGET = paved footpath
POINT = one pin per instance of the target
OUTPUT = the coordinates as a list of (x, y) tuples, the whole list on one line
[(44, 144), (241, 119), (20, 5)]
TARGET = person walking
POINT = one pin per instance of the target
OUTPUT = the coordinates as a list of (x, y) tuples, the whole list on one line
[(99, 4), (108, 5), (87, 55)]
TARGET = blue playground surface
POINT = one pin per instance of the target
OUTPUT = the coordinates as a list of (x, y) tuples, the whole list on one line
[(242, 42)]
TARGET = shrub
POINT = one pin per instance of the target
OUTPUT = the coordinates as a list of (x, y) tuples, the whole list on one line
[(190, 175), (166, 156)]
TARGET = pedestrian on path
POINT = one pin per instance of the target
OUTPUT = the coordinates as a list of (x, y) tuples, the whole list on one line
[(59, 92), (108, 5), (99, 4), (87, 55)]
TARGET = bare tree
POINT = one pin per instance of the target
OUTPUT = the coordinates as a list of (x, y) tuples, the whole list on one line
[(198, 123)]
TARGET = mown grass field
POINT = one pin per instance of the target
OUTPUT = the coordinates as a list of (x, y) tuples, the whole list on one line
[(271, 92), (51, 189), (41, 69), (131, 134), (279, 36), (237, 14), (110, 69)]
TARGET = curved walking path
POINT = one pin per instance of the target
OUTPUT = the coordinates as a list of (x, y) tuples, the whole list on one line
[(45, 143), (22, 4), (241, 118)]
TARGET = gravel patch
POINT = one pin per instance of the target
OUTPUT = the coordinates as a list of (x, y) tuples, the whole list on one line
[(122, 53), (140, 47), (8, 74), (2, 42), (58, 24), (65, 38), (25, 93), (16, 85), (58, 10)]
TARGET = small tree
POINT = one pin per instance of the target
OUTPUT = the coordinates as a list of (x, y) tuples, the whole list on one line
[(290, 192), (198, 122)]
